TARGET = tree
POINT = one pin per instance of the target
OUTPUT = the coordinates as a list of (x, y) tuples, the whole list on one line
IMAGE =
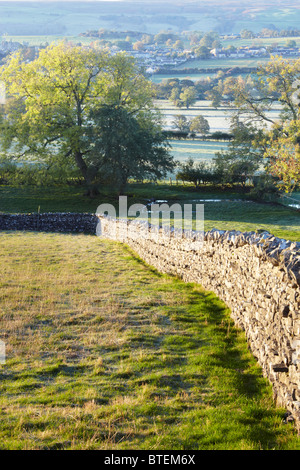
[(246, 34), (278, 139), (181, 122), (214, 95), (128, 148), (188, 96), (197, 173), (243, 157), (174, 96), (208, 39), (283, 154), (51, 101), (200, 125), (138, 46), (202, 52)]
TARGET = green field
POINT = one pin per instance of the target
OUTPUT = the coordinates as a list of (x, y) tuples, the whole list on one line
[(224, 209), (198, 150), (259, 42), (71, 18), (218, 118), (103, 352), (157, 78), (282, 17), (223, 63), (42, 40)]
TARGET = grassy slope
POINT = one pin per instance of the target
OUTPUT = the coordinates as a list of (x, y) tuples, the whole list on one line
[(105, 353), (231, 214)]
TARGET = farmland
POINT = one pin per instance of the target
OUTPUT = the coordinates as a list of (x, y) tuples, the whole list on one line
[(157, 78), (105, 353), (223, 63), (218, 118), (198, 150), (102, 351), (225, 209), (68, 18)]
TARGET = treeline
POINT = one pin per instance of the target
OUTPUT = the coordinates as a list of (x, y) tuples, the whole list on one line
[(270, 33), (185, 92), (218, 135), (191, 39), (202, 173), (167, 88), (111, 34), (190, 71)]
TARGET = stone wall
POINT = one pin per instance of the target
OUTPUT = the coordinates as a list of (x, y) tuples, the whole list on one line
[(50, 222), (256, 275)]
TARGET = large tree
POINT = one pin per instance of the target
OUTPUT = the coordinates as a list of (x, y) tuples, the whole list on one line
[(128, 147), (271, 138), (51, 102)]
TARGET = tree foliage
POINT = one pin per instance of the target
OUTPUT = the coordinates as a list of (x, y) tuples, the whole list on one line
[(198, 173), (52, 104), (266, 138), (128, 149)]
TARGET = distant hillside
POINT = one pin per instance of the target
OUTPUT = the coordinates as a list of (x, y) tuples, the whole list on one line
[(74, 17)]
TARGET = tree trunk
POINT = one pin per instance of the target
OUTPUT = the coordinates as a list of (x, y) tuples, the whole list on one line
[(92, 190)]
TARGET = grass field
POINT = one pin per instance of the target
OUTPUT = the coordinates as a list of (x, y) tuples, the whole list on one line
[(218, 118), (259, 42), (38, 40), (222, 63), (157, 78), (102, 352), (226, 209), (198, 150)]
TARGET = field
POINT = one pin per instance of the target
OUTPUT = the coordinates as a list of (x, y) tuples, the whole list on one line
[(226, 209), (218, 118), (42, 40), (102, 352), (222, 63), (283, 16), (71, 18), (259, 42), (157, 78), (198, 150)]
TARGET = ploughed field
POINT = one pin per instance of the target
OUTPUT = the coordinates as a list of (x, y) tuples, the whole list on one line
[(103, 352)]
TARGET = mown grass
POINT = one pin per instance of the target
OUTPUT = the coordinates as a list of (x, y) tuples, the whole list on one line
[(103, 352)]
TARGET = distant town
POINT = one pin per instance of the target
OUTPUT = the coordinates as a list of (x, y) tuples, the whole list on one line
[(166, 50)]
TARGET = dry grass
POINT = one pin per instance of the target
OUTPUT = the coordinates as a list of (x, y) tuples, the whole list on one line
[(105, 353)]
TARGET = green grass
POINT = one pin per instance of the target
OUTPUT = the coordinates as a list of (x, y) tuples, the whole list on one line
[(38, 40), (222, 63), (259, 42), (198, 150), (105, 353), (233, 212)]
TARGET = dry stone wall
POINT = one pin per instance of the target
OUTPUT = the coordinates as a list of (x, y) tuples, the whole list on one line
[(50, 222), (256, 275)]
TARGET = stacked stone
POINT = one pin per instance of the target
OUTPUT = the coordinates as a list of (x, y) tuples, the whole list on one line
[(256, 274), (50, 222)]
